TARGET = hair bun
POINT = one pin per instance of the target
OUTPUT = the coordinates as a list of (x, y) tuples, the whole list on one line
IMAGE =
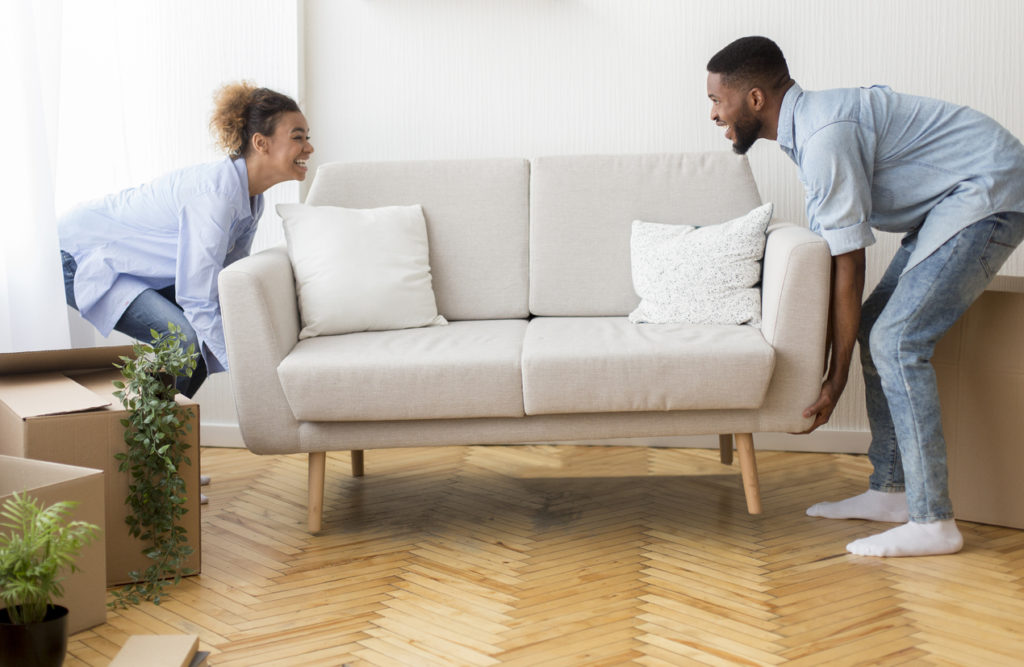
[(230, 112)]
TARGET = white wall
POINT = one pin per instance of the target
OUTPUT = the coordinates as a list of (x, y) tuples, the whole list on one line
[(429, 79)]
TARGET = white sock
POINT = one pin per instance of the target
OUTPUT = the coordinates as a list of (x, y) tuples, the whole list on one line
[(911, 539), (872, 505)]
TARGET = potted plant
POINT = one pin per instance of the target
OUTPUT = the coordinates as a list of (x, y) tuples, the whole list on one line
[(155, 430), (34, 555)]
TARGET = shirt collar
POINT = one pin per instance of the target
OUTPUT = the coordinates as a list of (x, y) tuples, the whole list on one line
[(252, 204), (785, 131), (243, 175)]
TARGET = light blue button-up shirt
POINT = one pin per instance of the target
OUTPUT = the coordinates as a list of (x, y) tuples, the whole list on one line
[(179, 229), (872, 158)]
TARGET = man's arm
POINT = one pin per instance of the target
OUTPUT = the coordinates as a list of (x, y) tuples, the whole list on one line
[(847, 294)]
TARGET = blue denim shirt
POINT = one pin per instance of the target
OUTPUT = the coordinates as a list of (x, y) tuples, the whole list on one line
[(873, 158), (179, 229)]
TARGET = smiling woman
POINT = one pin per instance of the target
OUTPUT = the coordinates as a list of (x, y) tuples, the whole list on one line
[(264, 127), (147, 257)]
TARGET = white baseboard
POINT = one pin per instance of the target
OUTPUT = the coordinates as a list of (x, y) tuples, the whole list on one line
[(220, 434), (227, 434)]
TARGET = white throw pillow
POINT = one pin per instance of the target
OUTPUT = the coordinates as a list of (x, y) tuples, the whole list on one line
[(699, 275), (359, 269)]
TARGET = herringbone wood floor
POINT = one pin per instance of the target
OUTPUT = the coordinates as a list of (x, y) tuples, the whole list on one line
[(543, 555)]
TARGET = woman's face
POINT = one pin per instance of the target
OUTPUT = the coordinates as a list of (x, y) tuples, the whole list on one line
[(288, 148)]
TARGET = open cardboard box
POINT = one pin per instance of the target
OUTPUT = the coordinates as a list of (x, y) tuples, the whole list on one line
[(58, 405), (84, 591)]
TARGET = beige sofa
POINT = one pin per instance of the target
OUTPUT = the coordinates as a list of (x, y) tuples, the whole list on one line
[(531, 266)]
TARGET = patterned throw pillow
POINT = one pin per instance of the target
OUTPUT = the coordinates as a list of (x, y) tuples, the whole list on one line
[(699, 275)]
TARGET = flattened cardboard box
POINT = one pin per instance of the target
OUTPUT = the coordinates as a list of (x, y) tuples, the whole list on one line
[(160, 651), (59, 406), (85, 591)]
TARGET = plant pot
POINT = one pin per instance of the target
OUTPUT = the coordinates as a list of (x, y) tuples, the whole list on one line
[(41, 644)]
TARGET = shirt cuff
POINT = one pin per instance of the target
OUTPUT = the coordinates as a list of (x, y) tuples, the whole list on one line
[(848, 239), (213, 362)]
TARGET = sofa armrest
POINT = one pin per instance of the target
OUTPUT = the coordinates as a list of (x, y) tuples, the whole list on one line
[(794, 317), (261, 326)]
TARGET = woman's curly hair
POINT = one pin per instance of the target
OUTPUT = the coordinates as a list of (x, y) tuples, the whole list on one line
[(241, 110)]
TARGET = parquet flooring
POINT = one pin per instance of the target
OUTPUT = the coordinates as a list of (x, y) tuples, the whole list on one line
[(545, 555)]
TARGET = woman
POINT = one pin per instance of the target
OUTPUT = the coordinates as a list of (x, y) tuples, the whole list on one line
[(150, 255)]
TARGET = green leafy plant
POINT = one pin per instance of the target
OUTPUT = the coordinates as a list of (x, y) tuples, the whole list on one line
[(155, 433), (41, 544)]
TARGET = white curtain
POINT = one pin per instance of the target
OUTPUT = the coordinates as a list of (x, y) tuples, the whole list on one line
[(104, 95), (33, 314)]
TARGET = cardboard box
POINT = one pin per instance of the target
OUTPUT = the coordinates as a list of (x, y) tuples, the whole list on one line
[(59, 406), (980, 369), (85, 590)]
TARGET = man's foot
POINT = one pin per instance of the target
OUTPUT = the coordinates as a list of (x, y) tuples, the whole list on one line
[(204, 480), (204, 499), (911, 539), (871, 505)]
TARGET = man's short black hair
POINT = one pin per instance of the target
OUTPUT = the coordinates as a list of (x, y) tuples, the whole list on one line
[(750, 62)]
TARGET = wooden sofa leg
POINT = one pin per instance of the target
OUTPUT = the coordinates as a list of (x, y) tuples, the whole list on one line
[(317, 468), (725, 448), (357, 463), (748, 469)]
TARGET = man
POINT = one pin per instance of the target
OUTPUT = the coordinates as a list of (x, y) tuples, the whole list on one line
[(948, 177)]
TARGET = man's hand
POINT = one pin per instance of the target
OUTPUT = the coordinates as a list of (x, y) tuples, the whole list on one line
[(844, 313), (822, 409)]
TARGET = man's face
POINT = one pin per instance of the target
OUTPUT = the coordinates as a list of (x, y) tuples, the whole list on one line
[(730, 108)]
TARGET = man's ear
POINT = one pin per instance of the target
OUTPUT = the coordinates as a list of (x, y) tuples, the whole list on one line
[(756, 99)]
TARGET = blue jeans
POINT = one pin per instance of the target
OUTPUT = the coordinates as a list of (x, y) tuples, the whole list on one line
[(901, 322), (153, 309)]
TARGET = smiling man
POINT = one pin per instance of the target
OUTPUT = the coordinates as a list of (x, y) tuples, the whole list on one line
[(948, 177)]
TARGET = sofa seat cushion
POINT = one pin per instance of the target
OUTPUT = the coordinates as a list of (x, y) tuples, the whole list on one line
[(608, 364), (463, 370)]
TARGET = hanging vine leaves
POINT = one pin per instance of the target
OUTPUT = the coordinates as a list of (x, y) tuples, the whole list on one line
[(155, 433)]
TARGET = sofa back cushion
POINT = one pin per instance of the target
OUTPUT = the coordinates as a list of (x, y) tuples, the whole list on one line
[(477, 215), (581, 214)]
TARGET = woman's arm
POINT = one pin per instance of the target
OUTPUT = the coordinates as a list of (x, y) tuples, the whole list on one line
[(203, 237)]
